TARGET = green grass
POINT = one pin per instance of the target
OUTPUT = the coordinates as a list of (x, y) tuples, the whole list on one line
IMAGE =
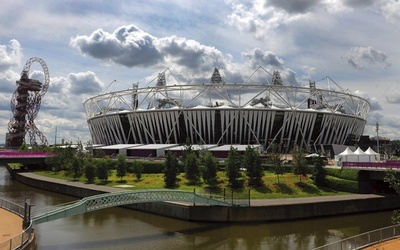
[(289, 185)]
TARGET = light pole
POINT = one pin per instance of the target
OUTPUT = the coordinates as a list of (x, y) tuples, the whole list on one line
[(377, 139)]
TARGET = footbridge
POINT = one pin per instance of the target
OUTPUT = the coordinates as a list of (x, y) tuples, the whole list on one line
[(107, 200)]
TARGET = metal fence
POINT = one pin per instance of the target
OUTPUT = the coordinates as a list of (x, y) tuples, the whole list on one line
[(19, 240), (363, 240), (229, 195)]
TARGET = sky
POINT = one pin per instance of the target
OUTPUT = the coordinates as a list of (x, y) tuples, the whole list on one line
[(91, 47)]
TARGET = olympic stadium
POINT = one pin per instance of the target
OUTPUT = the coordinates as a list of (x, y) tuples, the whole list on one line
[(221, 113)]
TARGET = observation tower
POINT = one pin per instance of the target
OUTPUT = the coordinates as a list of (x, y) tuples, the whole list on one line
[(25, 105)]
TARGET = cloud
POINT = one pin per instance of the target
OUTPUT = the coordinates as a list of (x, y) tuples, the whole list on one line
[(391, 10), (7, 81), (84, 83), (132, 47), (127, 45), (290, 6), (258, 57), (393, 96), (309, 71), (358, 56), (373, 101), (266, 18), (358, 3), (10, 55)]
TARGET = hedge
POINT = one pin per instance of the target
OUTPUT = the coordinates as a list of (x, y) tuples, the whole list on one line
[(342, 184), (347, 174), (154, 167)]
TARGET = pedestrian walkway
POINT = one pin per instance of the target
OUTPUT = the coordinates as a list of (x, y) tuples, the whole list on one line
[(10, 226), (393, 244)]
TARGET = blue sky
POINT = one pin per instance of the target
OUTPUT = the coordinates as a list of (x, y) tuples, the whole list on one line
[(89, 44)]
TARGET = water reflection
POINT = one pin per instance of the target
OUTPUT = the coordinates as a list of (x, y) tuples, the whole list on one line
[(118, 228)]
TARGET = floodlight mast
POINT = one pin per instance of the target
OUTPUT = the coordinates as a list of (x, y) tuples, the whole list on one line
[(25, 105)]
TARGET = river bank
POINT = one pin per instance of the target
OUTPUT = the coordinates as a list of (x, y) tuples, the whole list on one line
[(258, 211)]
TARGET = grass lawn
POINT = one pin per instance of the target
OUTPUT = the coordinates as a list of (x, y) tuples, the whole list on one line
[(289, 185)]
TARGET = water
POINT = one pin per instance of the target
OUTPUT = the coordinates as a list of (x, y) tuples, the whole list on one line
[(118, 228)]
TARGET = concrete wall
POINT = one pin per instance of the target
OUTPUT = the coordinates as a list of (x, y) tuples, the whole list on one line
[(235, 214), (270, 213)]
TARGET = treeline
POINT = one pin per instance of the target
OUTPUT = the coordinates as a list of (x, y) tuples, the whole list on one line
[(197, 165)]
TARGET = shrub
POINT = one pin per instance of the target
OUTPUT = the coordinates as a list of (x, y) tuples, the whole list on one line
[(192, 170), (90, 172), (138, 169), (170, 170), (347, 174), (210, 169), (342, 184)]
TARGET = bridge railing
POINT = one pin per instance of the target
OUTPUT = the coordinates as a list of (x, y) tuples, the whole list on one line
[(21, 239), (363, 240), (373, 165), (15, 154)]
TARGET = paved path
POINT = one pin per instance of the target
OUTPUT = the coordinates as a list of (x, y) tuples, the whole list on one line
[(393, 244), (292, 201), (10, 226), (71, 183)]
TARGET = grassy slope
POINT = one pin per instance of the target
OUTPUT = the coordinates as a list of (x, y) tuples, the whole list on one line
[(288, 186)]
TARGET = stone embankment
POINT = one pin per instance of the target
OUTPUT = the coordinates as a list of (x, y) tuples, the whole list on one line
[(259, 210)]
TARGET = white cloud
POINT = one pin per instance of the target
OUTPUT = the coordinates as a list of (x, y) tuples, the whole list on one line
[(393, 96), (358, 56), (10, 55), (373, 101), (391, 10), (84, 83)]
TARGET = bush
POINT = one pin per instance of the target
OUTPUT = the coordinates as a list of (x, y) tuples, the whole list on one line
[(138, 169), (90, 172), (170, 170), (347, 174), (152, 167), (342, 184)]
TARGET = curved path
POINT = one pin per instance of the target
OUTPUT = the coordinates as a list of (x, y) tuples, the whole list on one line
[(10, 226)]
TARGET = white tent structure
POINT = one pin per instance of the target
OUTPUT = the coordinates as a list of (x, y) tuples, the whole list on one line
[(362, 156), (347, 155), (373, 156)]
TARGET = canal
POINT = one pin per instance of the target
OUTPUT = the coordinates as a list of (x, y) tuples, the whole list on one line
[(119, 228)]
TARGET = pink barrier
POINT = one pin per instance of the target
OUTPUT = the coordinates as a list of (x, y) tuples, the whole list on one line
[(381, 165), (16, 154)]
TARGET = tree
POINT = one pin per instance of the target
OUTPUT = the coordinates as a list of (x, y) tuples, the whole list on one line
[(170, 170), (103, 169), (188, 149), (121, 166), (210, 169), (90, 171), (299, 162), (192, 169), (233, 168), (62, 159), (76, 168), (138, 169), (319, 174), (390, 177), (251, 161), (276, 160), (23, 148)]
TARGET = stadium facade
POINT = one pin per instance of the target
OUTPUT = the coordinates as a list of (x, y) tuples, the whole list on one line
[(227, 113)]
